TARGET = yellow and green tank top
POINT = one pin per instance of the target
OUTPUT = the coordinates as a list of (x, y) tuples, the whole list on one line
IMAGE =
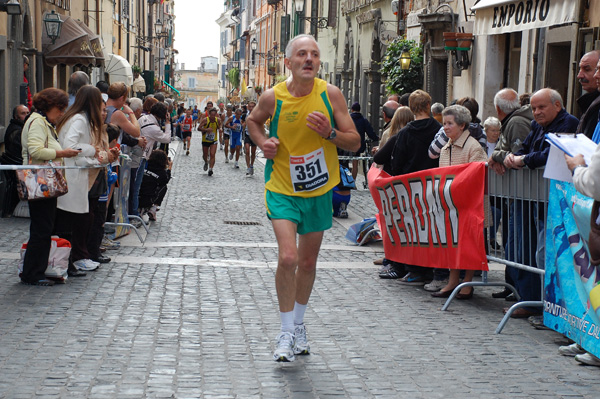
[(306, 165), (211, 137)]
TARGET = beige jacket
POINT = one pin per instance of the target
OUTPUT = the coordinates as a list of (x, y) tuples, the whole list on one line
[(36, 132), (587, 179), (464, 150)]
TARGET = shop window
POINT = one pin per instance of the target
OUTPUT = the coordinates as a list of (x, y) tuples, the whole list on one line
[(513, 60)]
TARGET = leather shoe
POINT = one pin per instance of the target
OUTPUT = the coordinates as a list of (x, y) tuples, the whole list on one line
[(521, 313), (378, 261), (442, 294), (502, 294), (511, 298), (76, 273), (465, 296), (102, 259)]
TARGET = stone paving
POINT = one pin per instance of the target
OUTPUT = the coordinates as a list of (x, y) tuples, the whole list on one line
[(193, 314)]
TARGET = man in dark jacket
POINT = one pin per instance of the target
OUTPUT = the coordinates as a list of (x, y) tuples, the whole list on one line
[(524, 222), (550, 117), (516, 125), (589, 102), (12, 156), (362, 126)]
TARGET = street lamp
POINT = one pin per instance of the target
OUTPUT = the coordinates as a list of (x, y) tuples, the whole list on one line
[(319, 22), (11, 7), (253, 44), (405, 59), (158, 27), (53, 25)]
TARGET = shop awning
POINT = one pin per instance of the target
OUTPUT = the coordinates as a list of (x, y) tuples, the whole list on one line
[(71, 48), (95, 44), (118, 69), (504, 16)]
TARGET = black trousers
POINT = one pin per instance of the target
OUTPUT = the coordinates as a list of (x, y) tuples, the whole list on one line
[(74, 227), (42, 214), (98, 211)]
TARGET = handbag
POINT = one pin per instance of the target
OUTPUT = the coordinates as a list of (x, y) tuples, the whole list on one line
[(346, 179), (37, 184)]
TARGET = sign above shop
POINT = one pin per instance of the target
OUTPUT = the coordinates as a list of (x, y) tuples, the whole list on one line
[(387, 36), (505, 16)]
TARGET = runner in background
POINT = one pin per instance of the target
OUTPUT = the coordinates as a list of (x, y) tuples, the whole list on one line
[(210, 128)]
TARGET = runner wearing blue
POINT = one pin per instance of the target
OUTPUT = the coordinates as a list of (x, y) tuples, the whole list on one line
[(195, 113), (235, 124)]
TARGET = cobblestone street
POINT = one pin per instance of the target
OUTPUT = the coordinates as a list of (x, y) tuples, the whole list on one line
[(192, 313)]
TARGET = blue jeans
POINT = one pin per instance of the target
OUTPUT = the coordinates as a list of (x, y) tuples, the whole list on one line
[(134, 188)]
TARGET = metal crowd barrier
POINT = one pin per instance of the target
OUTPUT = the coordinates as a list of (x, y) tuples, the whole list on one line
[(121, 196), (518, 204), (122, 219)]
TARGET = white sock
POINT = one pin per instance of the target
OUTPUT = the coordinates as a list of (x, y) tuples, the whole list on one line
[(287, 321), (299, 310)]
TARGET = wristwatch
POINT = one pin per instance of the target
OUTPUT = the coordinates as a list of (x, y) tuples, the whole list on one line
[(332, 135)]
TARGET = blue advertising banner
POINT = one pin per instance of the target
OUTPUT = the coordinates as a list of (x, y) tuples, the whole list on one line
[(571, 305)]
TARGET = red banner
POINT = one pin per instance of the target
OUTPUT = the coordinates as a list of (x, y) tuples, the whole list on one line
[(434, 217)]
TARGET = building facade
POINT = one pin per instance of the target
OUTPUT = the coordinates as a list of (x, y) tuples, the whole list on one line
[(108, 39), (523, 44)]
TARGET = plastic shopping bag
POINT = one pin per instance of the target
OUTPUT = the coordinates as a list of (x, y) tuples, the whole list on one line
[(364, 232), (58, 261)]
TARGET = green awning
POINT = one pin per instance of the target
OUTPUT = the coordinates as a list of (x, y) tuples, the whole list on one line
[(174, 89)]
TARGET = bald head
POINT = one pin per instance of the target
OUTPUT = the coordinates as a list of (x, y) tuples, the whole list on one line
[(587, 68), (506, 101), (546, 104), (389, 108), (77, 81)]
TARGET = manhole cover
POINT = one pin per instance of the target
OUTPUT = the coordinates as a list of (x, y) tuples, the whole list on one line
[(239, 223)]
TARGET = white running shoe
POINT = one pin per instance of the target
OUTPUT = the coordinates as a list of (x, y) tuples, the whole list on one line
[(87, 265), (236, 165), (226, 160), (588, 359), (284, 350), (231, 156), (571, 350), (435, 285), (301, 346), (251, 170), (248, 173)]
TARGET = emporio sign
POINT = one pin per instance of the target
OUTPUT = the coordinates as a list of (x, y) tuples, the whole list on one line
[(504, 16)]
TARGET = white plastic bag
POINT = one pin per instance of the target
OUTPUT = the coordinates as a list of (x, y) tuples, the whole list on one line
[(58, 260)]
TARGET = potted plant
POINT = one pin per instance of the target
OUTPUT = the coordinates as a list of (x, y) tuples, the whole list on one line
[(450, 39), (258, 89), (136, 71), (464, 40)]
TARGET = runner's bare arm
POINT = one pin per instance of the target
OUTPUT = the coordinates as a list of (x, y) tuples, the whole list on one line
[(347, 137), (256, 121)]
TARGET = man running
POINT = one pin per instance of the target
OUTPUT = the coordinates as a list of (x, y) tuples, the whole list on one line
[(226, 131), (249, 146), (186, 122), (234, 123), (195, 114), (309, 119), (209, 128), (222, 113)]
